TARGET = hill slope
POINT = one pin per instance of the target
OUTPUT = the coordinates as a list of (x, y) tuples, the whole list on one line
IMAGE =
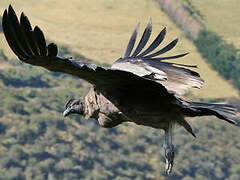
[(100, 30), (222, 17), (37, 143)]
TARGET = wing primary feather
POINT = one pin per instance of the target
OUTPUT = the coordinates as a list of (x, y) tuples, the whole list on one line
[(165, 49), (6, 33), (184, 65), (145, 37), (169, 57), (155, 43), (132, 41), (11, 37), (52, 50), (187, 126), (14, 27), (40, 41), (25, 39), (18, 31), (27, 28)]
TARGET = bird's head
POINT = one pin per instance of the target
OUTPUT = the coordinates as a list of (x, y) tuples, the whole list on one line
[(74, 106)]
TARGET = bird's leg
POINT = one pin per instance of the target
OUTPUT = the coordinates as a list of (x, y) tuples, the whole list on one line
[(169, 148)]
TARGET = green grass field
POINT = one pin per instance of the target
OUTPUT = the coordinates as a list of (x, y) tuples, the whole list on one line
[(222, 17), (101, 29), (36, 142)]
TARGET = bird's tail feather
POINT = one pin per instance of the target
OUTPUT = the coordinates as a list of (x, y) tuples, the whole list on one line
[(221, 110)]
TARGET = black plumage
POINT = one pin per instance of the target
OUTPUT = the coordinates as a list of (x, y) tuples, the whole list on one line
[(138, 88), (145, 37), (155, 43)]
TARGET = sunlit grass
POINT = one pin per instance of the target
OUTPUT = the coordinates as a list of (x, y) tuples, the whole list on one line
[(222, 17), (100, 30)]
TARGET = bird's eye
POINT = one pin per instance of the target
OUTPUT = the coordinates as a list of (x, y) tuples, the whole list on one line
[(76, 103)]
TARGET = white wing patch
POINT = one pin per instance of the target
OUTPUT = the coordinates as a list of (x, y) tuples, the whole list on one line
[(175, 79), (138, 67)]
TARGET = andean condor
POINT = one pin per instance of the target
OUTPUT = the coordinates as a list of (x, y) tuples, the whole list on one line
[(140, 87)]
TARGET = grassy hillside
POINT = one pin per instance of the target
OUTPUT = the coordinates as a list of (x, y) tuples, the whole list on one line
[(221, 16), (100, 30), (37, 143)]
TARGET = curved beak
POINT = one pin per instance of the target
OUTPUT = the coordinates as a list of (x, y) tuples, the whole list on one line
[(66, 112)]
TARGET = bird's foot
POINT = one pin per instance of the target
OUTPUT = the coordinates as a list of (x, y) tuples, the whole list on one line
[(169, 157)]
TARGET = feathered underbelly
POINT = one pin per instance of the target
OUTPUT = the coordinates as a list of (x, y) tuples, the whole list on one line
[(142, 113), (160, 121)]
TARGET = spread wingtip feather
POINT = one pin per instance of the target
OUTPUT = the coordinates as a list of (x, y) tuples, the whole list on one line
[(144, 39), (22, 39), (132, 41)]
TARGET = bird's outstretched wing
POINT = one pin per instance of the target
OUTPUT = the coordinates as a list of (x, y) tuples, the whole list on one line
[(30, 47), (146, 64)]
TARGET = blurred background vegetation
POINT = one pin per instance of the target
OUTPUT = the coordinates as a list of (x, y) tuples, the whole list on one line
[(37, 143)]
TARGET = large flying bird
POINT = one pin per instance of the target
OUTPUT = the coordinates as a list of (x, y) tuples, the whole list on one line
[(140, 87)]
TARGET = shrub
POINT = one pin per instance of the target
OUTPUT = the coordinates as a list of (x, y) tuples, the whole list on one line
[(220, 54), (2, 55)]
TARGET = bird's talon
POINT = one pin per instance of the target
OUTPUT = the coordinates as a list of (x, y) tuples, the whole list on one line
[(169, 156), (168, 168)]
